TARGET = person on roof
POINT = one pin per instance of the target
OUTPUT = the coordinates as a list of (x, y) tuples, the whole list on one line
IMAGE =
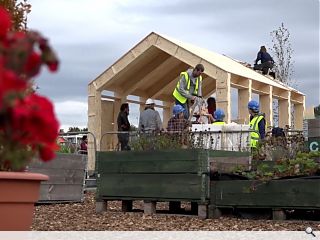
[(188, 88), (266, 61), (219, 116), (257, 123), (150, 120)]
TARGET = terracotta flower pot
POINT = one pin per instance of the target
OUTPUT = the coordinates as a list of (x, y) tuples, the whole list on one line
[(18, 193)]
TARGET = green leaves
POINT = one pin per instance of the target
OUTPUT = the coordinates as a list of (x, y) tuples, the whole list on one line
[(303, 164)]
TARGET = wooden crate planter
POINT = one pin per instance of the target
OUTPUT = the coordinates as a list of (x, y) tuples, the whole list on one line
[(167, 175), (66, 178), (227, 161), (152, 175), (296, 193)]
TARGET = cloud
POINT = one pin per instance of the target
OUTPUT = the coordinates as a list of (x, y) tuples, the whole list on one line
[(89, 36), (69, 111)]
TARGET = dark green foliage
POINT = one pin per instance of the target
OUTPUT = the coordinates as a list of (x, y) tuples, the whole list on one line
[(304, 164), (157, 141), (19, 11)]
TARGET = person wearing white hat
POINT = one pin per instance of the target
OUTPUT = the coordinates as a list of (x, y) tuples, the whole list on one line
[(149, 120)]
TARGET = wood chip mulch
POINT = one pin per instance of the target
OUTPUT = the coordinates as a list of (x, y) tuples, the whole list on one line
[(82, 216)]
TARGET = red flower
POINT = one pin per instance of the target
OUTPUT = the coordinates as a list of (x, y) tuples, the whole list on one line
[(34, 121), (33, 64), (10, 85), (28, 125), (53, 66), (46, 153)]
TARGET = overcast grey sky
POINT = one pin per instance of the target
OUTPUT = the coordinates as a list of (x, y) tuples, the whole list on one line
[(89, 36)]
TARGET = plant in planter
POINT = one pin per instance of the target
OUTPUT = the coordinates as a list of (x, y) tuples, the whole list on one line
[(28, 126), (305, 164)]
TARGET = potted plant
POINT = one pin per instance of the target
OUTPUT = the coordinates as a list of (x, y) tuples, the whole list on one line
[(28, 126)]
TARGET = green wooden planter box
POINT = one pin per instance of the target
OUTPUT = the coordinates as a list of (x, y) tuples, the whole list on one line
[(296, 193), (154, 175), (166, 175)]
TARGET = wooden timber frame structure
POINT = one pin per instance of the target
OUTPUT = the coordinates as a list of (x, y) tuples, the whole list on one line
[(151, 69)]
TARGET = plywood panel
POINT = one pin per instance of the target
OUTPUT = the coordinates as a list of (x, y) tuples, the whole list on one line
[(298, 116), (285, 111), (167, 79), (141, 66), (266, 104), (244, 96), (108, 125), (187, 57), (144, 44), (157, 74), (167, 113), (208, 86), (166, 46)]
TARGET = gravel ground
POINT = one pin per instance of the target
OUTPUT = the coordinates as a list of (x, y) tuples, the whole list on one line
[(82, 216)]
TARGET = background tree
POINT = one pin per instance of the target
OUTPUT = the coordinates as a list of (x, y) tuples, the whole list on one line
[(19, 11), (282, 53), (74, 129)]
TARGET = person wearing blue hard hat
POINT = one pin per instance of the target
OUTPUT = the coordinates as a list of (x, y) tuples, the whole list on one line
[(218, 116), (257, 123), (177, 109), (178, 122)]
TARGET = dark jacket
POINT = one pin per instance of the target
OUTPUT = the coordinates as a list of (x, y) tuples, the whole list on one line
[(123, 122), (263, 57)]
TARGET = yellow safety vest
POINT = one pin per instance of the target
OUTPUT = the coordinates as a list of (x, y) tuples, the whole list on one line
[(176, 93), (254, 125), (218, 123)]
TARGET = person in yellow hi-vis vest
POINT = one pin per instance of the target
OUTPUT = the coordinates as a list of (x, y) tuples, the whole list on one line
[(219, 116), (257, 123), (188, 87)]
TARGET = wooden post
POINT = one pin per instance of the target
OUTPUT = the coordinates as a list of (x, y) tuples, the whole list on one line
[(108, 141), (142, 104), (299, 114), (149, 207), (266, 105), (223, 95), (214, 212), (244, 96), (285, 110), (278, 214), (101, 206), (167, 113), (94, 123), (202, 211)]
